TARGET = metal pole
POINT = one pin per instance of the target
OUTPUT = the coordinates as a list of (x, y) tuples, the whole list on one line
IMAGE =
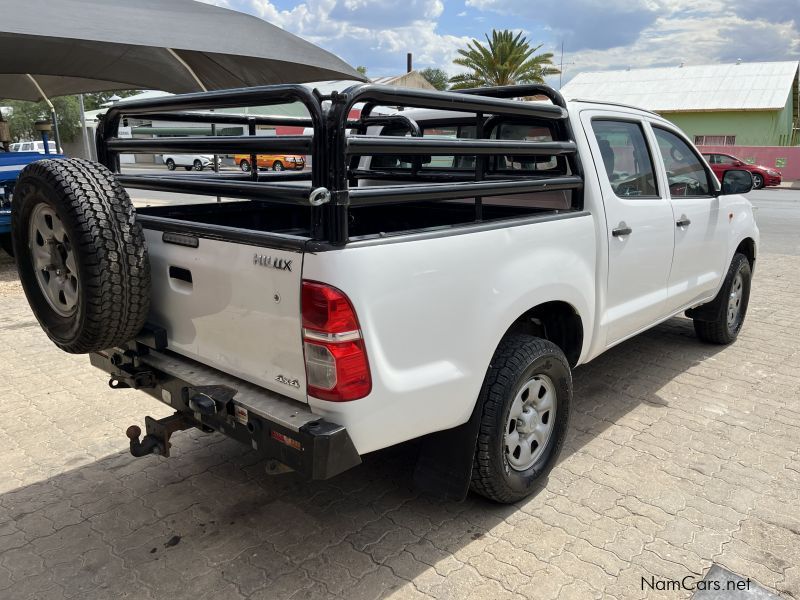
[(52, 110), (87, 151)]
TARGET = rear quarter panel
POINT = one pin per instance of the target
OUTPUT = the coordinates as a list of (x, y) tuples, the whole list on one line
[(432, 312)]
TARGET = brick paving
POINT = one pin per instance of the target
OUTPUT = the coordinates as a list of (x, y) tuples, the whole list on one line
[(681, 455)]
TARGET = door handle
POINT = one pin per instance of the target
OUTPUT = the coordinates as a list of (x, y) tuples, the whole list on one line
[(621, 230), (683, 222)]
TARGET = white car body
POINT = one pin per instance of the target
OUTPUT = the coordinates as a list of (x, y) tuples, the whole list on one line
[(434, 306), (188, 160), (33, 146)]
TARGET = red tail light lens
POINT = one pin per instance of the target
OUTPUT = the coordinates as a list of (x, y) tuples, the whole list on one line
[(337, 368)]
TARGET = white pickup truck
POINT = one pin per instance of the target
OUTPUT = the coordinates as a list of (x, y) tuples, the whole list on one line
[(448, 261)]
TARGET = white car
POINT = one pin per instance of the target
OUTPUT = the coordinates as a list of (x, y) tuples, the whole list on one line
[(33, 146), (437, 276), (198, 162)]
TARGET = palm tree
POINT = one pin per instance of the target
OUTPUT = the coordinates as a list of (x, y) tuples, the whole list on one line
[(507, 60)]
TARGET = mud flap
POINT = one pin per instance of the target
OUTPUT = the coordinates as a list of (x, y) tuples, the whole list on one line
[(444, 466)]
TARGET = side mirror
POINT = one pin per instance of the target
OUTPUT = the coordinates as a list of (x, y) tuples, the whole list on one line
[(736, 181)]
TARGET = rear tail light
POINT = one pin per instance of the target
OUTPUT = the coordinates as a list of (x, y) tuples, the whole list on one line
[(336, 359)]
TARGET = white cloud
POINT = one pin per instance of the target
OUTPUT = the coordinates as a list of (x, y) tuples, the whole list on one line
[(370, 32)]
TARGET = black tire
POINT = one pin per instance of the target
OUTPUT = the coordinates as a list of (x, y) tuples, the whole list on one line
[(278, 166), (758, 181), (198, 165), (106, 247), (518, 359), (722, 330), (245, 166), (5, 244), (170, 164)]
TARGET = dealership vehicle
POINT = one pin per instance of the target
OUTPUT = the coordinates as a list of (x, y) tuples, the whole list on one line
[(762, 176), (34, 146), (437, 273), (276, 162), (198, 162), (11, 163)]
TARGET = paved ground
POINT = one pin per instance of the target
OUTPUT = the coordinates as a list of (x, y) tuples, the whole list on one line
[(680, 455), (778, 216)]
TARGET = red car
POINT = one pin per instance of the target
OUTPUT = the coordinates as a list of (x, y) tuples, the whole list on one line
[(762, 176)]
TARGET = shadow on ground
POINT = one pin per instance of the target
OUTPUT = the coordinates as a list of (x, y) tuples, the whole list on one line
[(209, 523)]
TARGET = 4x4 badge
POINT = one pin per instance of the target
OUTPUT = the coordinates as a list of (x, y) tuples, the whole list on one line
[(281, 264)]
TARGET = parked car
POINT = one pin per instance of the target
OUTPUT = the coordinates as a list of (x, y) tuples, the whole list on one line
[(33, 146), (11, 163), (762, 176), (391, 296), (276, 162), (198, 162)]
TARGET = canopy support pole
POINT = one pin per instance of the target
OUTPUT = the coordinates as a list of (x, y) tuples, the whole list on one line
[(52, 110), (87, 148), (189, 69)]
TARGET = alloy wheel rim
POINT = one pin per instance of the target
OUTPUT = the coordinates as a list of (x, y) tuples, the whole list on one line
[(53, 259), (530, 424), (735, 300)]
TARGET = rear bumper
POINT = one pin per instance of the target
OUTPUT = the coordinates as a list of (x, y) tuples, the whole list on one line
[(275, 426)]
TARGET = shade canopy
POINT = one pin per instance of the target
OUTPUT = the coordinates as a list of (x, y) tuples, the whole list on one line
[(76, 46)]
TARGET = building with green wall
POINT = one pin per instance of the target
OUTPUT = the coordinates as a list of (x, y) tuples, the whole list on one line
[(743, 104)]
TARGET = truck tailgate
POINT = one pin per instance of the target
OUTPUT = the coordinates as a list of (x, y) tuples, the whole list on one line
[(232, 306)]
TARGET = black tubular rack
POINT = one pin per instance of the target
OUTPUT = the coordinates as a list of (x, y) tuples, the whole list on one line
[(331, 187)]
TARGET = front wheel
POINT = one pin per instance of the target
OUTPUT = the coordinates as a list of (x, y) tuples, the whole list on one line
[(525, 403), (730, 305), (758, 181), (170, 164), (198, 165), (244, 166)]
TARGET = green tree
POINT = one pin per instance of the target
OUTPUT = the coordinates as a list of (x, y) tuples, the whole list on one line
[(436, 77), (25, 114), (506, 59), (362, 69), (96, 100)]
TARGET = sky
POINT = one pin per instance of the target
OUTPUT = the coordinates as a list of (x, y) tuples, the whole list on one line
[(596, 34)]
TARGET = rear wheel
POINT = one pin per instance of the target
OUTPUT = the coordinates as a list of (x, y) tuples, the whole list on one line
[(277, 166), (758, 181), (525, 415), (170, 164), (198, 165), (81, 254), (730, 305), (245, 166)]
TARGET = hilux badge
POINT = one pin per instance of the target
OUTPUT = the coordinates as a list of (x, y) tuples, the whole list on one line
[(271, 262)]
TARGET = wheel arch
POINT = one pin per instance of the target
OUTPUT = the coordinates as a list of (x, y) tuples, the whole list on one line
[(748, 247), (557, 321)]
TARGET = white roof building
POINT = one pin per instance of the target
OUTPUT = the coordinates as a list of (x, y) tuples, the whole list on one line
[(744, 86), (750, 103)]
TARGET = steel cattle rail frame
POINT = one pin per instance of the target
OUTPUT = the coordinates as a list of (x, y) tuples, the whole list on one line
[(335, 153), (492, 101)]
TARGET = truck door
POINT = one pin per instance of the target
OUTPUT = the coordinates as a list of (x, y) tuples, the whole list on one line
[(701, 239), (639, 224)]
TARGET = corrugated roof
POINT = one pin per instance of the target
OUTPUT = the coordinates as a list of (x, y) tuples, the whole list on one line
[(745, 86)]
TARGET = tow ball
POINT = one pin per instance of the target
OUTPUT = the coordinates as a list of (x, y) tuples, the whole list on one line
[(158, 433)]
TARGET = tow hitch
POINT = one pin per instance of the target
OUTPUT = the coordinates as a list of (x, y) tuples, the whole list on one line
[(158, 433)]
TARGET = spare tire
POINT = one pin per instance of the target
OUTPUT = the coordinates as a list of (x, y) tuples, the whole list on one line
[(81, 255)]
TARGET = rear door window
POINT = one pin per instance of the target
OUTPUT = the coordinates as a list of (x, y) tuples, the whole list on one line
[(626, 158)]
